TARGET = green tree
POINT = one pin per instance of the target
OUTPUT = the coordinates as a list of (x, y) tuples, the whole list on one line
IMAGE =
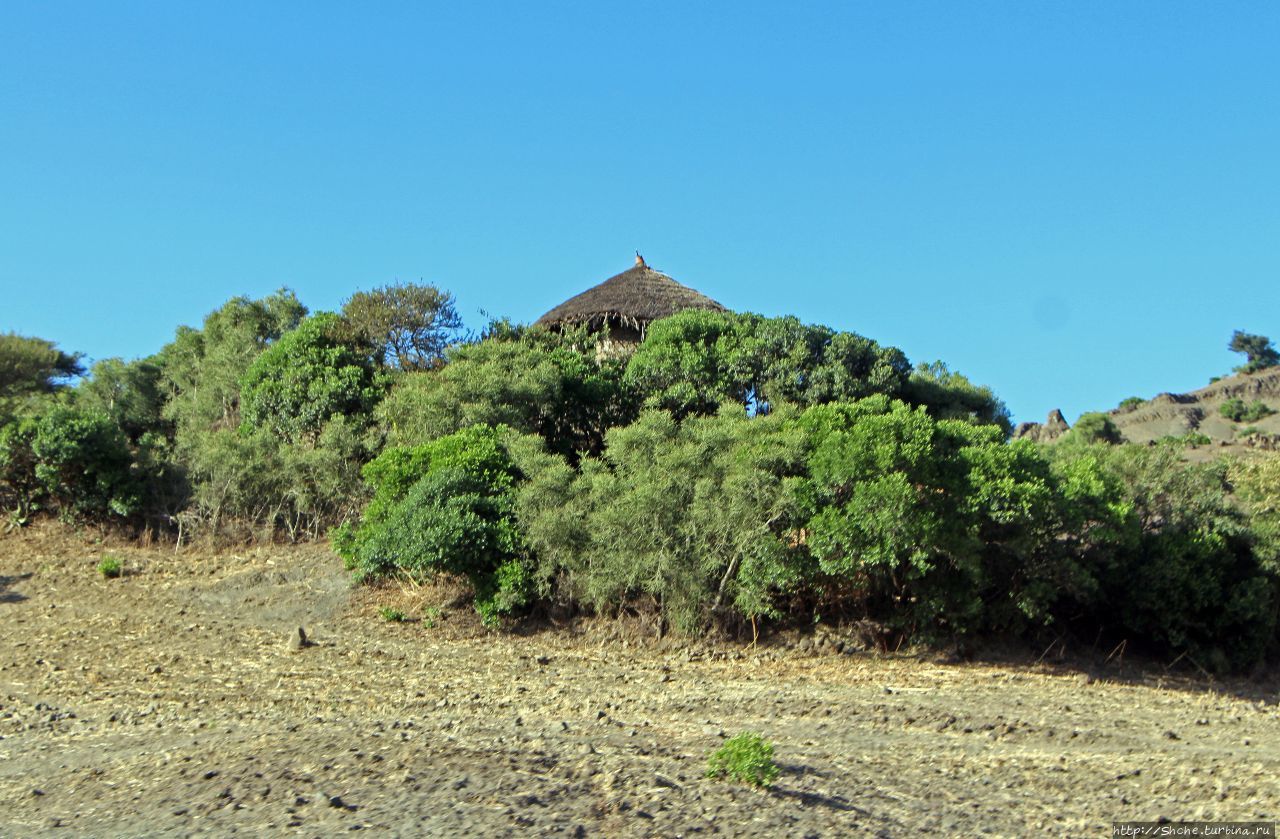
[(410, 325), (950, 395), (128, 392), (308, 376), (691, 517), (1172, 557), (1258, 351), (695, 361), (202, 368), (554, 385), (925, 522), (31, 369), (34, 365)]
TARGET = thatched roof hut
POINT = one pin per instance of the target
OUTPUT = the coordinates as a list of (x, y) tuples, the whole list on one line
[(627, 303)]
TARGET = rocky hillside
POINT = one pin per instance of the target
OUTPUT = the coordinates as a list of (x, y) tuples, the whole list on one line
[(1199, 414)]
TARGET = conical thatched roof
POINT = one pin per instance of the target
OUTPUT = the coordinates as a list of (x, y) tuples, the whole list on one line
[(633, 298)]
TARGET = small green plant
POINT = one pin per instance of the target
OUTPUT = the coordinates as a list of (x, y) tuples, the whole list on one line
[(747, 757), (431, 616), (1249, 431), (1131, 403), (392, 614), (110, 567)]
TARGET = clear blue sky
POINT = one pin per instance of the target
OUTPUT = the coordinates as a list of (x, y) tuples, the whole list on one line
[(1071, 202)]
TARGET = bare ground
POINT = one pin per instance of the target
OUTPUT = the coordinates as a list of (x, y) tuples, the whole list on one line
[(171, 702)]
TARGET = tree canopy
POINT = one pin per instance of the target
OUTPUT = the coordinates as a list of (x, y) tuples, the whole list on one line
[(1258, 351), (409, 325), (33, 366)]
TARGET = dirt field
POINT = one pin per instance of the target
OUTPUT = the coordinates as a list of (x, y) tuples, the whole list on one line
[(173, 701)]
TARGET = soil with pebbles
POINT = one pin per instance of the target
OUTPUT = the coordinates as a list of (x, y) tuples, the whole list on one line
[(178, 700)]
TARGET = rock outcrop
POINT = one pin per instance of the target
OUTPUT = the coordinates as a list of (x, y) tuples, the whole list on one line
[(1051, 429)]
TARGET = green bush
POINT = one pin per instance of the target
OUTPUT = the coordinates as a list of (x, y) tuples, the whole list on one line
[(391, 614), (1171, 558), (307, 377), (445, 507), (73, 462), (695, 361), (934, 526), (556, 386), (747, 758), (689, 517), (1191, 438), (950, 395), (110, 567), (1132, 402), (1257, 483), (1237, 411), (1094, 427)]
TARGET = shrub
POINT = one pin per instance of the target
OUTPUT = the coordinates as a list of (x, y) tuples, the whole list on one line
[(536, 382), (747, 758), (950, 395), (1132, 402), (445, 507), (73, 462), (690, 517), (1237, 411), (1191, 438), (392, 614), (308, 376), (1170, 556), (930, 525), (695, 361), (1257, 483), (110, 567), (1094, 427)]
